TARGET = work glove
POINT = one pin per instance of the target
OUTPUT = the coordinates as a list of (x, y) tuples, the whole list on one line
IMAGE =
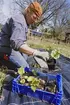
[(43, 54)]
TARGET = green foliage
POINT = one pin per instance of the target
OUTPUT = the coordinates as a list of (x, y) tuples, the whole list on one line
[(34, 72), (31, 80), (22, 81), (33, 88), (25, 77), (34, 82), (55, 54), (2, 77), (21, 71)]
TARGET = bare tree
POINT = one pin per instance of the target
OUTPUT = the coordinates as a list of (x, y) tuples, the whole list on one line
[(52, 11)]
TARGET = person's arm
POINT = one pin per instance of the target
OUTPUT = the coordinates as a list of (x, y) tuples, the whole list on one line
[(26, 49), (30, 51)]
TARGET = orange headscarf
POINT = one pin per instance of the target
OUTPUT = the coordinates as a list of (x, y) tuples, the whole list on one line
[(36, 8)]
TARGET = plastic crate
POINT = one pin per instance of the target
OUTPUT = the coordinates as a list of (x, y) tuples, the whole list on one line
[(52, 98)]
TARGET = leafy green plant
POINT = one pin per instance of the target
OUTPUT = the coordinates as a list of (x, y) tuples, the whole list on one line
[(22, 81), (21, 71), (2, 78), (33, 80), (55, 54)]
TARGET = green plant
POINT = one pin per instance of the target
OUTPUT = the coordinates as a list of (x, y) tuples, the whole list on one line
[(21, 71), (2, 77), (55, 54), (34, 81)]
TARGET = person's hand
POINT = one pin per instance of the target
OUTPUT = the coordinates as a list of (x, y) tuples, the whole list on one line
[(43, 54)]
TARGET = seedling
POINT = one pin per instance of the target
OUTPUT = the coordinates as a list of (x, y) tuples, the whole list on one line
[(53, 55), (34, 81), (21, 71)]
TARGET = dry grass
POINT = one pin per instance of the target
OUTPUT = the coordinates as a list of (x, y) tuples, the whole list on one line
[(37, 42)]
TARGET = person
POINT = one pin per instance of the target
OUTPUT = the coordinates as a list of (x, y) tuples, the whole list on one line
[(13, 38), (13, 35)]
